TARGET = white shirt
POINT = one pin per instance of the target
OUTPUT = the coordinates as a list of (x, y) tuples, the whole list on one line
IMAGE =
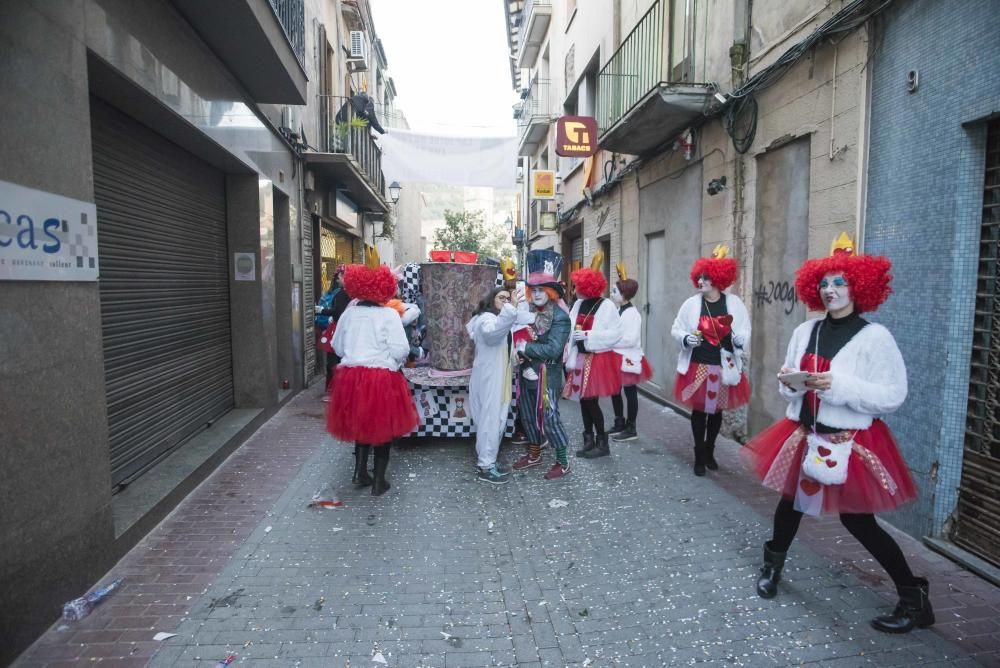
[(371, 336)]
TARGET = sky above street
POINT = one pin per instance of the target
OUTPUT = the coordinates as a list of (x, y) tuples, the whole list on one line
[(449, 60)]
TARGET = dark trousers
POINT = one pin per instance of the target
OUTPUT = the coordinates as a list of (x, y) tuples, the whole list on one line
[(631, 399), (861, 525)]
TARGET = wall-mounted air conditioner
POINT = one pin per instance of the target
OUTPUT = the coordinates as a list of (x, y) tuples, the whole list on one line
[(358, 60)]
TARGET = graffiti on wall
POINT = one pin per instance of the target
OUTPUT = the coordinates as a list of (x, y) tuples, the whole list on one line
[(781, 293)]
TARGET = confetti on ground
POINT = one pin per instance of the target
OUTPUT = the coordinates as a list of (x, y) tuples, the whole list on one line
[(163, 636), (558, 503)]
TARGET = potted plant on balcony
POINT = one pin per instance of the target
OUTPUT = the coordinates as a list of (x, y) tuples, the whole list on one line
[(342, 130)]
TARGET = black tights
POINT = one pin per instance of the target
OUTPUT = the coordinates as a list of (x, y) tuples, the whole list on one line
[(699, 421), (861, 525), (592, 416), (632, 397)]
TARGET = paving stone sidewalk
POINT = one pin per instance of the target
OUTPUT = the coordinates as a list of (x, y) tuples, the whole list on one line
[(630, 561)]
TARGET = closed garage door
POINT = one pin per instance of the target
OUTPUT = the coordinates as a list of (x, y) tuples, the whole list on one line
[(161, 216)]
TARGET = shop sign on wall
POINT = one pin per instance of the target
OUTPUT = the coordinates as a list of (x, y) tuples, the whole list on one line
[(543, 184), (245, 265), (46, 237)]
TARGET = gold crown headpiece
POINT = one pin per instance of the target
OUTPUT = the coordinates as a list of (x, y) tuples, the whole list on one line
[(720, 252), (622, 273), (372, 260), (842, 245), (597, 262)]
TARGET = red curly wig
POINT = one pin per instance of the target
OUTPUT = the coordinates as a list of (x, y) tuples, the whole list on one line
[(722, 272), (372, 285), (589, 283), (867, 276)]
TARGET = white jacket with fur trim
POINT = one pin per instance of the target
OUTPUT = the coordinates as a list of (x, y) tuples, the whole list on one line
[(630, 345), (686, 323), (869, 378), (602, 337)]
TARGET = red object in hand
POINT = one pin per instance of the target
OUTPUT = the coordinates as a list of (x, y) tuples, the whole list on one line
[(326, 338)]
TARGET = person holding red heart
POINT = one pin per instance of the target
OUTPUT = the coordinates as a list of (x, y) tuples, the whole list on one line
[(713, 331), (832, 453)]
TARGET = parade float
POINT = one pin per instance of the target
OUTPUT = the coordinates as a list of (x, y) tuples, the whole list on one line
[(447, 290)]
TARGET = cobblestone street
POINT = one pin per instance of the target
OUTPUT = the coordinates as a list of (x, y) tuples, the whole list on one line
[(630, 561)]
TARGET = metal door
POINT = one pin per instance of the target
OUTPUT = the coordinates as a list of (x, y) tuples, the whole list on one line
[(656, 320), (164, 283), (780, 245), (977, 528)]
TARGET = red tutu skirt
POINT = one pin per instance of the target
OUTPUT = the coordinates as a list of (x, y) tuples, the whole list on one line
[(877, 477), (635, 378), (370, 405), (702, 389), (599, 375)]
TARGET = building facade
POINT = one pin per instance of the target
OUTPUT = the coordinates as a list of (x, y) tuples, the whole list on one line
[(771, 128), (933, 207), (163, 196)]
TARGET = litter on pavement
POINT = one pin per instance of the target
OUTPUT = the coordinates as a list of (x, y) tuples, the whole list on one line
[(79, 608)]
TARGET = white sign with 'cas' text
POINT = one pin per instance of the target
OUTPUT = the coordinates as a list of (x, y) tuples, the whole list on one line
[(46, 237)]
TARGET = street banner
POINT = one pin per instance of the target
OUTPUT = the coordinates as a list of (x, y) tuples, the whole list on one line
[(414, 157)]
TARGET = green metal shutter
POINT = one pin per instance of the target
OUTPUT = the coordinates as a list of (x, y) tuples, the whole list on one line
[(308, 298), (164, 282)]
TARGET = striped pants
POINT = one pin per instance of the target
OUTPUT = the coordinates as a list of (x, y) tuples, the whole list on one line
[(552, 426)]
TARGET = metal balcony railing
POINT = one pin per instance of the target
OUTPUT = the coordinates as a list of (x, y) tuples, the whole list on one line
[(634, 69), (535, 107), (348, 132), (291, 15)]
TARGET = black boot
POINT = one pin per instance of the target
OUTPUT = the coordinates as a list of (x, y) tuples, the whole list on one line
[(710, 462), (600, 448), (588, 444), (618, 428), (913, 610), (699, 460), (361, 477), (380, 485), (626, 434), (770, 573)]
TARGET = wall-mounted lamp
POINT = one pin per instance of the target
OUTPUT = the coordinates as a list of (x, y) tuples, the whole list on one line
[(716, 186), (394, 189)]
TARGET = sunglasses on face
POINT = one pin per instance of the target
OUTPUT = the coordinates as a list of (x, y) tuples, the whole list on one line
[(837, 282)]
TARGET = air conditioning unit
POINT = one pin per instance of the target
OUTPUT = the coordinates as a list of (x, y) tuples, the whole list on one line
[(359, 51)]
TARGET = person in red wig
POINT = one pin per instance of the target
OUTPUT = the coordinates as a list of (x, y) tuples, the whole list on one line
[(832, 452), (713, 331), (593, 367), (370, 401), (635, 367)]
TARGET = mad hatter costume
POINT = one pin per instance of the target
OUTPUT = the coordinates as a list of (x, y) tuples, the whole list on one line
[(541, 364), (713, 330), (832, 453), (370, 401)]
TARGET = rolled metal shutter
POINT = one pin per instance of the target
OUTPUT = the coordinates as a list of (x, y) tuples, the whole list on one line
[(164, 282), (308, 298)]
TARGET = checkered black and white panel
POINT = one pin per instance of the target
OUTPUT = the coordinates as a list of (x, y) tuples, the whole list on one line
[(499, 279), (411, 282), (444, 412)]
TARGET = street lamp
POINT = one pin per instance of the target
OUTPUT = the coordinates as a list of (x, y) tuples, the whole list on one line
[(394, 189)]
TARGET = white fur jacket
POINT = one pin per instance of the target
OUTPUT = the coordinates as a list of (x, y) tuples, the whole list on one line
[(603, 336), (630, 345), (686, 323), (869, 378)]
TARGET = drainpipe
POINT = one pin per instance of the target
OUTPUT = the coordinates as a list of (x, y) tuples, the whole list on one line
[(739, 56)]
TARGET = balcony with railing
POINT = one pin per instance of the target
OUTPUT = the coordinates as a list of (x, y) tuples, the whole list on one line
[(262, 42), (643, 94), (534, 25), (348, 153), (533, 116)]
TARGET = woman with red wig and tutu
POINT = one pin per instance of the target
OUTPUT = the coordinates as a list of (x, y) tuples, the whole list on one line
[(832, 453), (370, 401), (593, 368), (713, 330), (635, 367)]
